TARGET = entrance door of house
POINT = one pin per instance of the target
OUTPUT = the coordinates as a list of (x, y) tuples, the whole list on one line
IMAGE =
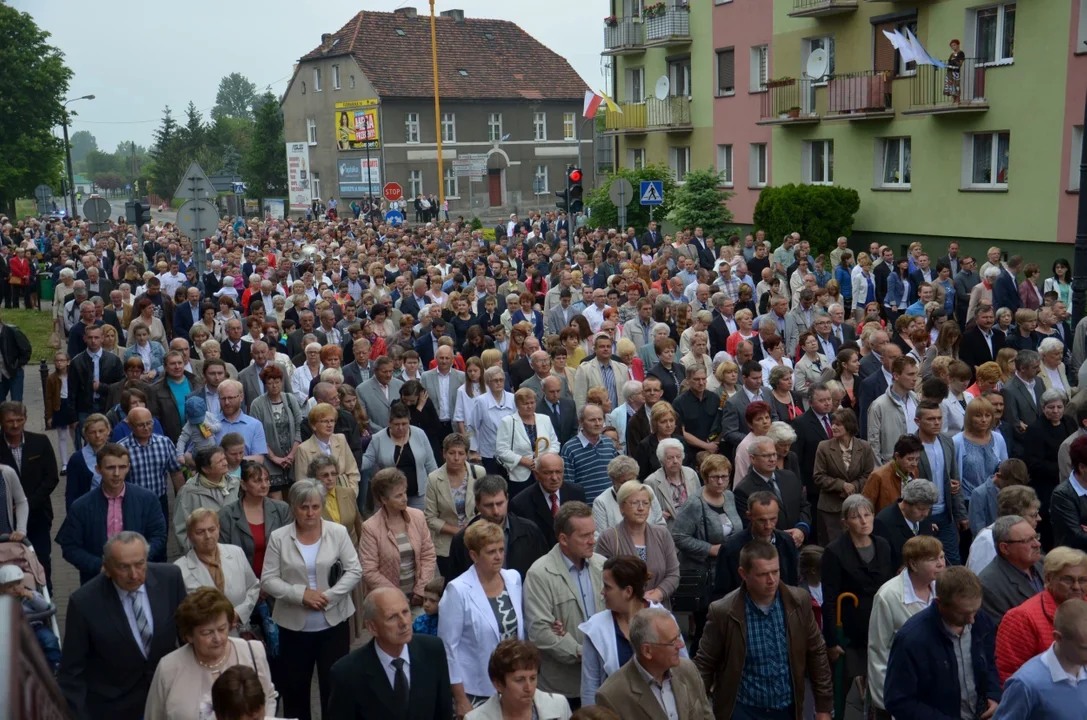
[(494, 187)]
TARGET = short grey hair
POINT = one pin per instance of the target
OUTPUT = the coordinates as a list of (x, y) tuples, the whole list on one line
[(854, 504), (125, 537), (1023, 358), (632, 387), (920, 492), (312, 346), (304, 490), (1002, 528), (761, 441), (492, 372), (781, 432), (642, 626), (622, 465), (992, 272), (1049, 345), (779, 373), (1053, 395), (661, 326), (668, 443), (321, 461), (67, 273)]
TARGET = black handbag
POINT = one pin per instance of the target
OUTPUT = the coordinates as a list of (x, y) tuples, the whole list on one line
[(335, 573), (693, 592)]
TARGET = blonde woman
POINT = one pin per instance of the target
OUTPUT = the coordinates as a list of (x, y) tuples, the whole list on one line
[(699, 356)]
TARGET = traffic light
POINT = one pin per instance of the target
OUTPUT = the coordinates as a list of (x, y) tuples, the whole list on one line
[(142, 213), (563, 201), (574, 191)]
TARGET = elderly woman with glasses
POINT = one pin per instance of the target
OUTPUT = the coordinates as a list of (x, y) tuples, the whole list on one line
[(653, 544), (211, 563), (673, 484), (606, 512)]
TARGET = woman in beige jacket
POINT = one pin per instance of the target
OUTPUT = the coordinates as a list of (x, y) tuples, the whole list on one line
[(450, 498), (322, 420), (396, 547)]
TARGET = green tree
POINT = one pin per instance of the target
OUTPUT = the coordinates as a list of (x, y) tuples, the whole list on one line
[(820, 213), (33, 83), (97, 163), (82, 142), (264, 166), (700, 202), (236, 98), (168, 156), (111, 181), (604, 211)]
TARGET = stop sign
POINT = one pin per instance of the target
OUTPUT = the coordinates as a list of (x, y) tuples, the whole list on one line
[(393, 191)]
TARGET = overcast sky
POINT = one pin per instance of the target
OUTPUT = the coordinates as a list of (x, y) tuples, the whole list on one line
[(136, 56)]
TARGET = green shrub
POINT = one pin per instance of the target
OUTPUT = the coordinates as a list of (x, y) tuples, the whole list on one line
[(820, 213), (477, 224), (488, 234)]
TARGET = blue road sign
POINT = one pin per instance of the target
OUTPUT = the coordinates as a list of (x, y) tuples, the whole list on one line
[(652, 192), (394, 216)]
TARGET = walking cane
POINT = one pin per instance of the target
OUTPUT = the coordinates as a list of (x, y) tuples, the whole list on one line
[(840, 687)]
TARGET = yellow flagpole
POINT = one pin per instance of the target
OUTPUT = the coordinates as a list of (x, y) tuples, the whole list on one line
[(437, 112)]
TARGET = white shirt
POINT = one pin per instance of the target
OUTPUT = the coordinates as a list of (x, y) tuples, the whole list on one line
[(595, 316), (386, 661), (488, 414), (443, 396), (909, 596), (140, 596)]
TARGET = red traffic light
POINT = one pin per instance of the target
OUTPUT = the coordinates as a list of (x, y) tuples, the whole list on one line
[(575, 175)]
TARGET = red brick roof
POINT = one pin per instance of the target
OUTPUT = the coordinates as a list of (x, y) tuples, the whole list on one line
[(501, 60)]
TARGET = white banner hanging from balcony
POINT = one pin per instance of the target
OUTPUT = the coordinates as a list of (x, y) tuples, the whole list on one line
[(920, 55)]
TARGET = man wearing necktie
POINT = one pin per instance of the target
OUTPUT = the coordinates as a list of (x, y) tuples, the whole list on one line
[(901, 521), (90, 372), (651, 238)]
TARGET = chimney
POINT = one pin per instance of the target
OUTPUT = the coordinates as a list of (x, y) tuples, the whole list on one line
[(326, 40), (408, 12), (457, 15)]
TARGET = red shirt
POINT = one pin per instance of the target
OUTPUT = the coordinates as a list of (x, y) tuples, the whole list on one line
[(260, 543)]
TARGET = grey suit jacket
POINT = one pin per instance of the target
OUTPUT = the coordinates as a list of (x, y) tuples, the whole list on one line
[(375, 402), (635, 333), (799, 326), (733, 424), (251, 386), (432, 385), (535, 384), (790, 325), (628, 694), (1019, 405), (555, 320), (955, 503), (1005, 587)]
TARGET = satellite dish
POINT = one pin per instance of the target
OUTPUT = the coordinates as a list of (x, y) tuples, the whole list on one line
[(660, 91), (817, 64)]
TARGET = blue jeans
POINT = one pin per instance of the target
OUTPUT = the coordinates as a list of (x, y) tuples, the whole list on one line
[(14, 386), (746, 712), (948, 536), (49, 644)]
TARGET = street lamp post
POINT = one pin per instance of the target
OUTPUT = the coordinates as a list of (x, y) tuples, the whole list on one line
[(68, 151)]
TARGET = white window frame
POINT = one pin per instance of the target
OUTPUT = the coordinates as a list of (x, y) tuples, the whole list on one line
[(539, 126), (679, 158), (635, 158), (760, 68), (1077, 148), (635, 85), (569, 127), (315, 183), (415, 183), (452, 184), (449, 128), (969, 140), (541, 173), (998, 50), (811, 43), (725, 165), (311, 131), (881, 162), (335, 77), (809, 157), (494, 127), (411, 128), (317, 79), (758, 174)]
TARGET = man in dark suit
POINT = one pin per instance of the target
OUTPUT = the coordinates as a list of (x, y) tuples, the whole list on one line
[(119, 626), (90, 374), (234, 351), (187, 314), (795, 516), (761, 519), (871, 362), (561, 410), (15, 351), (307, 323), (706, 251), (875, 385), (733, 423), (414, 301), (651, 238), (907, 518), (31, 456), (952, 258), (524, 542), (425, 345), (923, 274), (1016, 574), (812, 428), (1006, 288), (1023, 395), (882, 271), (540, 503), (981, 343), (395, 675)]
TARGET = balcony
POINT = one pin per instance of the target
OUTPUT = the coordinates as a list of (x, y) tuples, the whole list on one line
[(626, 37), (672, 114), (667, 23), (822, 8), (937, 91), (859, 96), (788, 102)]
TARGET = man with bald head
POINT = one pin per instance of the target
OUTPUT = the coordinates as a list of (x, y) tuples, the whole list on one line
[(398, 674), (153, 459), (250, 379), (187, 314), (559, 407), (441, 385), (541, 367), (541, 503)]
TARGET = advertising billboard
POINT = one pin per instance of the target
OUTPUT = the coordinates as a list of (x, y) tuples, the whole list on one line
[(357, 125), (358, 177), (299, 189)]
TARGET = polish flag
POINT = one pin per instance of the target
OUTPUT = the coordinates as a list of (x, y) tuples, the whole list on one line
[(592, 102)]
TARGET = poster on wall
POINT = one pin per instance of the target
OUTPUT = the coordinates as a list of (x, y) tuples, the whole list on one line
[(274, 208), (359, 177), (357, 125), (298, 176)]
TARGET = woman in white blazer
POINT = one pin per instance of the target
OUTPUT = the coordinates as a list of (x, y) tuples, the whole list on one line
[(518, 437), (212, 564), (480, 608), (518, 699), (310, 568)]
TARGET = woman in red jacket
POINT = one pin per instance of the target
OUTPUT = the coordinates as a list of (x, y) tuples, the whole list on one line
[(1027, 630), (20, 268)]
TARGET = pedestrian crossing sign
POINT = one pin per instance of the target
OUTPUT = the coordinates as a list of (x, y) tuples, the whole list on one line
[(652, 192)]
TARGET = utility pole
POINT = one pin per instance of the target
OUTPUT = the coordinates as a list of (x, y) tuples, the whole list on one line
[(68, 148)]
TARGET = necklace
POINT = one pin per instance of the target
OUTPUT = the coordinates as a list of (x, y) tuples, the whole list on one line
[(216, 665)]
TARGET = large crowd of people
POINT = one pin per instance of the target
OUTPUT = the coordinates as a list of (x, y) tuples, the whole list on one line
[(560, 472)]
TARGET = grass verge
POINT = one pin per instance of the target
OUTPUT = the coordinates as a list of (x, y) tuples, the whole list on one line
[(36, 325)]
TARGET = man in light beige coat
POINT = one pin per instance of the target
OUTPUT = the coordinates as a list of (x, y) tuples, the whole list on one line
[(590, 373), (562, 590)]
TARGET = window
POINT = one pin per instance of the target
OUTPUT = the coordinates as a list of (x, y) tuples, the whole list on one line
[(679, 158), (989, 154), (449, 127), (539, 180), (1077, 149), (819, 43), (679, 77), (895, 158), (635, 85), (316, 79), (760, 67), (539, 126), (758, 167), (316, 184), (994, 33), (818, 159), (632, 8), (351, 81), (569, 126), (636, 158), (494, 127), (451, 184), (335, 77), (311, 131), (411, 127), (726, 72), (724, 164), (415, 183)]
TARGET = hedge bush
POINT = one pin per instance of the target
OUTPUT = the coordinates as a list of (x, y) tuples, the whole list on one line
[(820, 213)]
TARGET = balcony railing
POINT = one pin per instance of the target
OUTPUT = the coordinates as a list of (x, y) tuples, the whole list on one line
[(625, 36), (787, 102), (673, 24), (672, 113), (822, 8), (860, 95), (935, 91)]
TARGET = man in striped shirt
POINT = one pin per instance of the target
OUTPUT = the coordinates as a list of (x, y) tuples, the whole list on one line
[(587, 454)]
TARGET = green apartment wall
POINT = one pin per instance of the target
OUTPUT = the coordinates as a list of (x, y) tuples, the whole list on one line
[(1025, 98)]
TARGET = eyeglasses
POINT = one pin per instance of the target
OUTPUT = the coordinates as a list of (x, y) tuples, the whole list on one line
[(717, 477), (639, 504), (670, 643), (1068, 581), (1028, 539)]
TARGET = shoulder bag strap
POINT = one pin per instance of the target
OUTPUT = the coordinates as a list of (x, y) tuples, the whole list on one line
[(252, 657)]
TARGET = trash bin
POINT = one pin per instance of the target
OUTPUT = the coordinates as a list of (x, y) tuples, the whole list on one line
[(46, 291)]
